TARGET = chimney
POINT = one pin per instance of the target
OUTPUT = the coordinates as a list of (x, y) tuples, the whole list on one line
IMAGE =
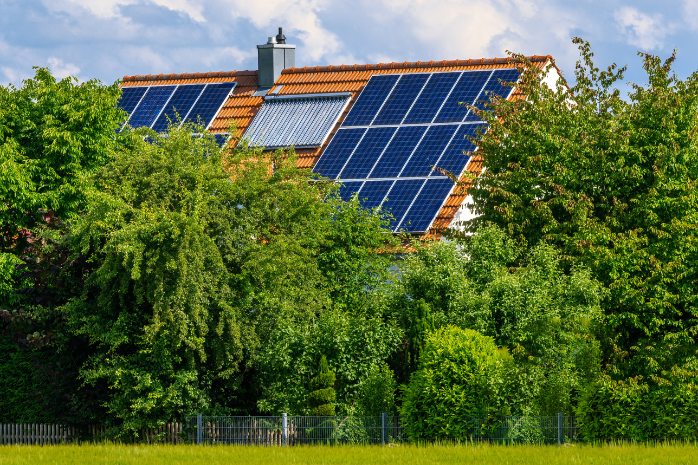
[(273, 57)]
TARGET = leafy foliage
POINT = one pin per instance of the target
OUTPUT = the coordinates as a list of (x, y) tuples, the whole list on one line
[(154, 308), (459, 376), (612, 183), (544, 317), (189, 260), (661, 407), (377, 392), (351, 256), (287, 356), (9, 277), (53, 134)]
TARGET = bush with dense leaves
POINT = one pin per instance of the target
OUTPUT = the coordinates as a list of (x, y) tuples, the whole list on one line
[(377, 392), (459, 376), (660, 407)]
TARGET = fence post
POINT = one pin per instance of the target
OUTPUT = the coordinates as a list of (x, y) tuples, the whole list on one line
[(384, 427), (560, 437), (199, 425), (284, 429)]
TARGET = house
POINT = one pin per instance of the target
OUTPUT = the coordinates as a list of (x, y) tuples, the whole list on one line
[(389, 132)]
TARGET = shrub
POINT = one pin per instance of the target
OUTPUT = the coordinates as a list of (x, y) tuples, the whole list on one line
[(459, 376), (545, 315), (656, 408), (322, 396), (377, 392)]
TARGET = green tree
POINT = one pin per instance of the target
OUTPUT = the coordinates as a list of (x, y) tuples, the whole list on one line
[(321, 398), (9, 280), (156, 307), (612, 183), (192, 262), (546, 318), (658, 408), (53, 134)]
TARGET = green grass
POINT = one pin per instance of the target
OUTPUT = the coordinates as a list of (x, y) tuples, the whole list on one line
[(402, 455)]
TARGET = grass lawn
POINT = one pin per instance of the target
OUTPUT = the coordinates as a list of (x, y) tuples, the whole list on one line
[(446, 454)]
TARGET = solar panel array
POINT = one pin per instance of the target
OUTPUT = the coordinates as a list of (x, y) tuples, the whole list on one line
[(156, 106), (401, 132)]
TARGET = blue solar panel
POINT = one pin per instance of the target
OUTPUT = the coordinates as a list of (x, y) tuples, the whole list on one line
[(150, 106), (400, 197), (431, 98), (466, 91), (370, 100), (210, 101), (494, 87), (398, 151), (130, 96), (454, 160), (367, 153), (431, 133), (178, 106), (347, 189), (401, 99), (426, 205), (506, 76), (429, 151), (221, 138), (337, 152), (373, 193)]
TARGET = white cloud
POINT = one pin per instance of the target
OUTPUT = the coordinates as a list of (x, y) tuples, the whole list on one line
[(61, 70), (300, 18), (640, 29), (526, 8), (13, 76), (143, 54), (459, 29), (110, 8), (690, 10), (104, 39), (454, 28), (191, 7)]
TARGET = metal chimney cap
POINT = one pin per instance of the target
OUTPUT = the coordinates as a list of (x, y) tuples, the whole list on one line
[(280, 38), (271, 40)]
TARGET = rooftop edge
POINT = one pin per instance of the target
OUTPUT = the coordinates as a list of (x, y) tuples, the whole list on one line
[(331, 68)]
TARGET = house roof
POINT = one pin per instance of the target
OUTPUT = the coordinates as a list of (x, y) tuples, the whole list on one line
[(242, 106)]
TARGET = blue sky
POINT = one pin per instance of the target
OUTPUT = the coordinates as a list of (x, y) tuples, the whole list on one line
[(107, 39)]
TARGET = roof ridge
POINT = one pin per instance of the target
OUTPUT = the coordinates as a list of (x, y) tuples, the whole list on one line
[(411, 65), (172, 77), (331, 68)]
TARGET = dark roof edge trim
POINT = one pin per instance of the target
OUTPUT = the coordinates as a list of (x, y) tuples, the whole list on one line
[(299, 96), (418, 64)]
